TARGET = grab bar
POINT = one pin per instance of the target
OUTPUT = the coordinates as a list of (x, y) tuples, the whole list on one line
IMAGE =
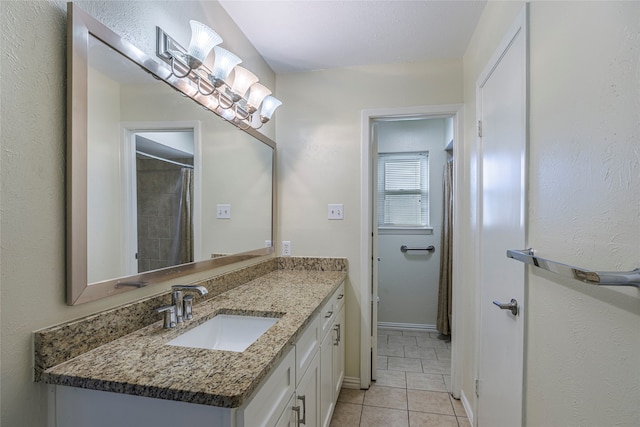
[(603, 278), (405, 248)]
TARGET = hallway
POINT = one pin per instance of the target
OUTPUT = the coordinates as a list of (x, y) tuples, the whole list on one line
[(411, 388)]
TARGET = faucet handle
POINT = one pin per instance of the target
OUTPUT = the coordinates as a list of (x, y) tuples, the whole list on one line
[(187, 311), (170, 319)]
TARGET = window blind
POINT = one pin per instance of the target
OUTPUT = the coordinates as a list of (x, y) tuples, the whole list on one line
[(403, 189)]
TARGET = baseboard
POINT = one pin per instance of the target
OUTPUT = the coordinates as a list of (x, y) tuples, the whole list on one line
[(467, 407), (415, 326), (351, 382)]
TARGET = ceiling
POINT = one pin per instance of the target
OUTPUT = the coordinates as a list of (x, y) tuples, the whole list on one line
[(303, 35)]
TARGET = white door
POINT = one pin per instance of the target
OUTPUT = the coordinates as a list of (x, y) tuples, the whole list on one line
[(502, 130)]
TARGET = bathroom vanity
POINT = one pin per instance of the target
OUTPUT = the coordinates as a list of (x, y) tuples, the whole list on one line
[(291, 375)]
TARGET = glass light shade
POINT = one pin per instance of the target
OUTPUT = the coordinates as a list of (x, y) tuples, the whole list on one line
[(223, 64), (203, 39), (257, 93), (228, 114), (242, 80), (269, 105)]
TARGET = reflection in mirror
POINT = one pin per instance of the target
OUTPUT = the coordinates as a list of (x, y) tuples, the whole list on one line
[(158, 168)]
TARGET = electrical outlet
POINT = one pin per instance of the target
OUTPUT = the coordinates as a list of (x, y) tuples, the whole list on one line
[(267, 243), (336, 211), (286, 248), (223, 211)]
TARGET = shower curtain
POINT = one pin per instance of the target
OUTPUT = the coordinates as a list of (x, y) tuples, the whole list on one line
[(182, 245), (443, 323)]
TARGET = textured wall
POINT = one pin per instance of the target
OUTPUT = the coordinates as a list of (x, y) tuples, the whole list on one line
[(32, 160), (584, 206), (319, 127)]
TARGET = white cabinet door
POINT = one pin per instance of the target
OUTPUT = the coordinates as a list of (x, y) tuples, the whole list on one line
[(326, 380), (308, 394), (338, 353), (288, 417)]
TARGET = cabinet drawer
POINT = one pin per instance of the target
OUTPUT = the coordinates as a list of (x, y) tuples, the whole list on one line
[(306, 347), (339, 297), (330, 309), (266, 406)]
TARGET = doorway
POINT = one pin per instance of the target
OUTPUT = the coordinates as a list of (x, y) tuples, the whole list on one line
[(411, 156), (371, 119), (161, 188)]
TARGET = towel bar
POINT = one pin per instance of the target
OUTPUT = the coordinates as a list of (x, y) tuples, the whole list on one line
[(606, 278), (405, 248)]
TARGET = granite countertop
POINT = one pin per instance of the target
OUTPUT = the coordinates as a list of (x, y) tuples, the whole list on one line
[(141, 364)]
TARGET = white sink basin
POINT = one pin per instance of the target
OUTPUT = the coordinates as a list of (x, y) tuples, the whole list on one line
[(225, 332)]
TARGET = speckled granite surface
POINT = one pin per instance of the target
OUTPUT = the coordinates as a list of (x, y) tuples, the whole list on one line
[(140, 363), (60, 343)]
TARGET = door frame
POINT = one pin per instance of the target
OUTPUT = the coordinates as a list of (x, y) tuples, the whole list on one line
[(128, 130), (367, 252), (518, 26)]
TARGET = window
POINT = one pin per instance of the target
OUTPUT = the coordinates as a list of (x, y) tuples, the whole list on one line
[(403, 190)]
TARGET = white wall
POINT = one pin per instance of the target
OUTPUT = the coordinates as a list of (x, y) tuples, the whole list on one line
[(583, 197), (318, 136), (408, 282), (105, 226), (32, 159)]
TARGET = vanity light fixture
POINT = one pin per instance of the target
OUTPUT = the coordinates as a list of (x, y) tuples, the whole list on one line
[(235, 92)]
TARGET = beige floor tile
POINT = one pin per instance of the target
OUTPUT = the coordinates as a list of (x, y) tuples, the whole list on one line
[(447, 381), (386, 397), (350, 395), (391, 379), (442, 353), (346, 415), (396, 350), (464, 422), (431, 382), (442, 367), (458, 407), (404, 364), (416, 333), (429, 342), (384, 331), (382, 338), (422, 419), (382, 362), (402, 340), (383, 417), (421, 352), (429, 401)]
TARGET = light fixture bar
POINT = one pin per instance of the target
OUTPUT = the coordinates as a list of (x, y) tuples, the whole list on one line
[(235, 103), (172, 53)]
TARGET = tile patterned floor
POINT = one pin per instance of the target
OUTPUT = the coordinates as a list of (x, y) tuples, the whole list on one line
[(411, 389)]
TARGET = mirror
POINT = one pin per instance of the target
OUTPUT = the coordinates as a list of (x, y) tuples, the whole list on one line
[(158, 186)]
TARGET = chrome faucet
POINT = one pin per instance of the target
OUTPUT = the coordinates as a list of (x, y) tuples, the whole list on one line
[(184, 304)]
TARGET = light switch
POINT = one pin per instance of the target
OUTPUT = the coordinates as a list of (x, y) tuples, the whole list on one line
[(336, 211), (223, 211)]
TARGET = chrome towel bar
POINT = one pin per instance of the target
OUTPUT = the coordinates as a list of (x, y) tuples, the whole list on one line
[(405, 248), (606, 278)]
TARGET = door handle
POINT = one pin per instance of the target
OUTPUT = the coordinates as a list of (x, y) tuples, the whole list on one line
[(513, 306)]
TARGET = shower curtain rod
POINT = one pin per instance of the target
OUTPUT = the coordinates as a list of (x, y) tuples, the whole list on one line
[(184, 165)]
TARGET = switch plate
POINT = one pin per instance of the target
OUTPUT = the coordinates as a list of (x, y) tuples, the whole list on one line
[(223, 211), (286, 248), (336, 211)]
